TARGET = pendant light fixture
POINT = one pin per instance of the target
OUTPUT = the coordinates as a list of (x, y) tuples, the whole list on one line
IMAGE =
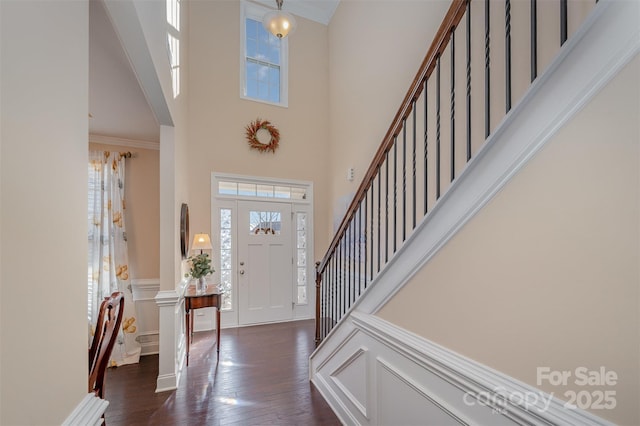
[(279, 23)]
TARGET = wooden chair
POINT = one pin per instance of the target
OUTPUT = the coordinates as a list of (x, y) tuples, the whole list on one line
[(104, 339)]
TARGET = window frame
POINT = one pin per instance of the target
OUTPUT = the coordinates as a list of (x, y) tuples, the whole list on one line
[(256, 12)]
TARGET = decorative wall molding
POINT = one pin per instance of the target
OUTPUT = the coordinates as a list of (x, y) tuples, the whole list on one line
[(385, 368), (88, 412), (442, 384), (129, 143), (147, 311), (606, 42), (361, 385), (474, 378), (145, 289)]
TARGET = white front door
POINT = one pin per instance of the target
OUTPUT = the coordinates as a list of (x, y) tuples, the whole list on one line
[(265, 256)]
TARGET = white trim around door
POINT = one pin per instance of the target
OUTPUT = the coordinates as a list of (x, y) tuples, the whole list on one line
[(228, 193)]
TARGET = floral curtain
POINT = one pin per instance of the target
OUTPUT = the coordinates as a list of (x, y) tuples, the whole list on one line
[(108, 256)]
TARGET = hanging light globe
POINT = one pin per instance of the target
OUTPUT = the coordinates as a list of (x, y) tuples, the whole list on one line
[(279, 23)]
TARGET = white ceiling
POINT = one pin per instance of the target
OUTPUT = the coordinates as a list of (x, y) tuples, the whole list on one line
[(316, 10), (117, 104)]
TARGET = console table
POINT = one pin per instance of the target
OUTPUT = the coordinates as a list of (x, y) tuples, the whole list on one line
[(210, 298)]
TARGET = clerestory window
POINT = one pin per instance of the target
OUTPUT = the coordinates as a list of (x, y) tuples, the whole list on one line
[(264, 59)]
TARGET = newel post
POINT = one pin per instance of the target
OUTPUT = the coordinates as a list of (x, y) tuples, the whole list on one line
[(318, 282)]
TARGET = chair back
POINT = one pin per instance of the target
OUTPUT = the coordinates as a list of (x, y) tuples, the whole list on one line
[(104, 339)]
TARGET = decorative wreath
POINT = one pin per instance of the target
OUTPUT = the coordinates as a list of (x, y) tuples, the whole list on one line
[(252, 136)]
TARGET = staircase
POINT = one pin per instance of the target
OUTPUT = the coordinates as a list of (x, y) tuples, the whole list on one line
[(467, 125)]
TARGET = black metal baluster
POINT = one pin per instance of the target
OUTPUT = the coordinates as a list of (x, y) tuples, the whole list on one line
[(487, 71), (348, 264), (338, 284), (322, 304), (336, 289), (327, 311), (404, 179), (353, 258), (359, 248), (372, 234), (395, 192), (326, 292), (345, 271), (334, 278), (366, 235), (507, 29), (341, 286), (468, 80), (534, 40), (413, 161), (325, 302), (345, 288), (563, 21), (379, 207), (438, 128), (356, 266), (453, 105), (352, 264), (386, 207), (426, 151)]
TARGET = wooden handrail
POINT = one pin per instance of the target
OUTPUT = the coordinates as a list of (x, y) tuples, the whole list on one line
[(451, 20)]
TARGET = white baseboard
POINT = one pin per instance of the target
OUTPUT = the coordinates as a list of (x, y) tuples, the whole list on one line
[(166, 382)]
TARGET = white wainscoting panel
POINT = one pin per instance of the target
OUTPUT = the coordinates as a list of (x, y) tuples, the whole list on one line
[(402, 401), (351, 378), (144, 293), (385, 375)]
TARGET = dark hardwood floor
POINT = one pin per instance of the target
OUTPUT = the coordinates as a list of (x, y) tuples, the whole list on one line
[(260, 379)]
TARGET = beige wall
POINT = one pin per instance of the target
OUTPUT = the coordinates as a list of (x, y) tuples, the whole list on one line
[(44, 127), (375, 49), (546, 275), (142, 193), (217, 115)]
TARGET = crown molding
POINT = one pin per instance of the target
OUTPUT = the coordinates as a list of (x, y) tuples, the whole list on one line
[(131, 143)]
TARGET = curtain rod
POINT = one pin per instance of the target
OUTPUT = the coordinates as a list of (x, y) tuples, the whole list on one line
[(129, 154)]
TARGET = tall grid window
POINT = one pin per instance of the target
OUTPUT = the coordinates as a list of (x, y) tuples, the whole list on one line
[(301, 253), (264, 70), (173, 41), (225, 258)]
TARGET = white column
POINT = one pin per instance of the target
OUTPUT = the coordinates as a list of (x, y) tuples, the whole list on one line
[(171, 339)]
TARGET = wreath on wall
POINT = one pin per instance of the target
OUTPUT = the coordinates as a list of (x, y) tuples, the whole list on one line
[(254, 129)]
